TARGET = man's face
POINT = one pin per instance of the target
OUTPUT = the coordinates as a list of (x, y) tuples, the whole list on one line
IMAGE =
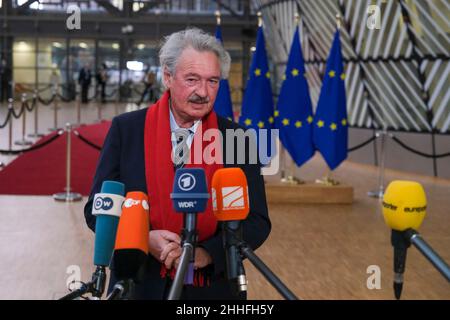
[(193, 87)]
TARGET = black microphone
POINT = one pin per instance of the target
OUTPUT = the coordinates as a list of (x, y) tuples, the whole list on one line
[(401, 246)]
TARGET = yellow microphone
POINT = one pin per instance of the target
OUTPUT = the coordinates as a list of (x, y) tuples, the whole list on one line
[(404, 205), (404, 208)]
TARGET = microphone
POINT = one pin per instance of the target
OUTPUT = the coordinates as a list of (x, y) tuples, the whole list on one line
[(131, 246), (107, 209), (231, 205), (190, 196), (404, 208)]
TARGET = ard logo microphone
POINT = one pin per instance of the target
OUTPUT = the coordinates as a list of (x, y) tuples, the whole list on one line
[(404, 208), (190, 193), (190, 196)]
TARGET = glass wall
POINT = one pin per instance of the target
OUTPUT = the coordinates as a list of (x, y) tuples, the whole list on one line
[(44, 63), (24, 64), (109, 56), (51, 64)]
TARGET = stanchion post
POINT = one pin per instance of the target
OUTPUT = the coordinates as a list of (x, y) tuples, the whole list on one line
[(36, 133), (99, 111), (23, 142), (10, 109), (379, 193), (116, 107), (55, 111), (68, 196), (78, 101)]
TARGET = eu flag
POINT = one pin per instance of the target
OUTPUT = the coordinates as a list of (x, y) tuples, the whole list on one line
[(257, 103), (223, 105), (330, 122), (293, 116)]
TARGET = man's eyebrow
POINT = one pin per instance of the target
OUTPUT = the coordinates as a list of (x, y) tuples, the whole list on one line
[(191, 74)]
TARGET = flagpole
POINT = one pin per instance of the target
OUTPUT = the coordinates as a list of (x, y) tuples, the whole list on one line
[(259, 14), (218, 19), (328, 180), (290, 167), (338, 21)]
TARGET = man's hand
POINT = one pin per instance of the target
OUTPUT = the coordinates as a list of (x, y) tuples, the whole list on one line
[(202, 259), (162, 243)]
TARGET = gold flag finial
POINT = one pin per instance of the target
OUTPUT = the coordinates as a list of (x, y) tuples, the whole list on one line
[(259, 14), (297, 17), (218, 20), (338, 21)]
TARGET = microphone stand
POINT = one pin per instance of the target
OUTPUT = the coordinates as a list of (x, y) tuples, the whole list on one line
[(121, 289), (189, 236), (231, 235), (96, 286), (247, 252), (415, 238)]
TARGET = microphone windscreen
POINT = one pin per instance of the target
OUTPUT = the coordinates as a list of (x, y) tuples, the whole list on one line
[(190, 191), (230, 194), (404, 205), (107, 208), (132, 247)]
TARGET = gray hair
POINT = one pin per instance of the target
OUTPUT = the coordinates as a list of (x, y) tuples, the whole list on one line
[(174, 44)]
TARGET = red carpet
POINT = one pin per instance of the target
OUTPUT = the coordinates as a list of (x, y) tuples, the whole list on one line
[(43, 171)]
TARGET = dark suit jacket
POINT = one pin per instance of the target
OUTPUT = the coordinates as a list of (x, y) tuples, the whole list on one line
[(84, 78), (122, 159)]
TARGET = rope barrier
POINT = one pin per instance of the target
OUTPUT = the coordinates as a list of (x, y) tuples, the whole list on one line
[(111, 94), (8, 117), (33, 105), (13, 152), (361, 145), (18, 115), (64, 99), (89, 143), (47, 102), (420, 153)]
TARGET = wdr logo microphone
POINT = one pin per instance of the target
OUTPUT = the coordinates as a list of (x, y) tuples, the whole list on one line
[(233, 198)]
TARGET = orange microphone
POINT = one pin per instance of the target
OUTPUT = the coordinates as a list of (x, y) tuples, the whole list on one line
[(131, 248), (230, 194), (231, 205)]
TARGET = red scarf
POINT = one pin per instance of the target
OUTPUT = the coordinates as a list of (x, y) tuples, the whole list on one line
[(159, 172)]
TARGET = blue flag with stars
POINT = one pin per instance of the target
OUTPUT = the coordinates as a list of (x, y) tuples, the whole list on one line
[(330, 121), (223, 105), (293, 116), (257, 103)]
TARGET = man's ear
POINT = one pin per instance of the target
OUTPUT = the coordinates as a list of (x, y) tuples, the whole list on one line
[(167, 78)]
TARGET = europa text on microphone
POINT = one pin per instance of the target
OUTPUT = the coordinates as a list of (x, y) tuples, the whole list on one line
[(404, 208), (131, 247), (107, 209), (231, 206), (190, 196)]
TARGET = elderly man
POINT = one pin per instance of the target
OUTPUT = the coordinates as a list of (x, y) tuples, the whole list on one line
[(142, 151)]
